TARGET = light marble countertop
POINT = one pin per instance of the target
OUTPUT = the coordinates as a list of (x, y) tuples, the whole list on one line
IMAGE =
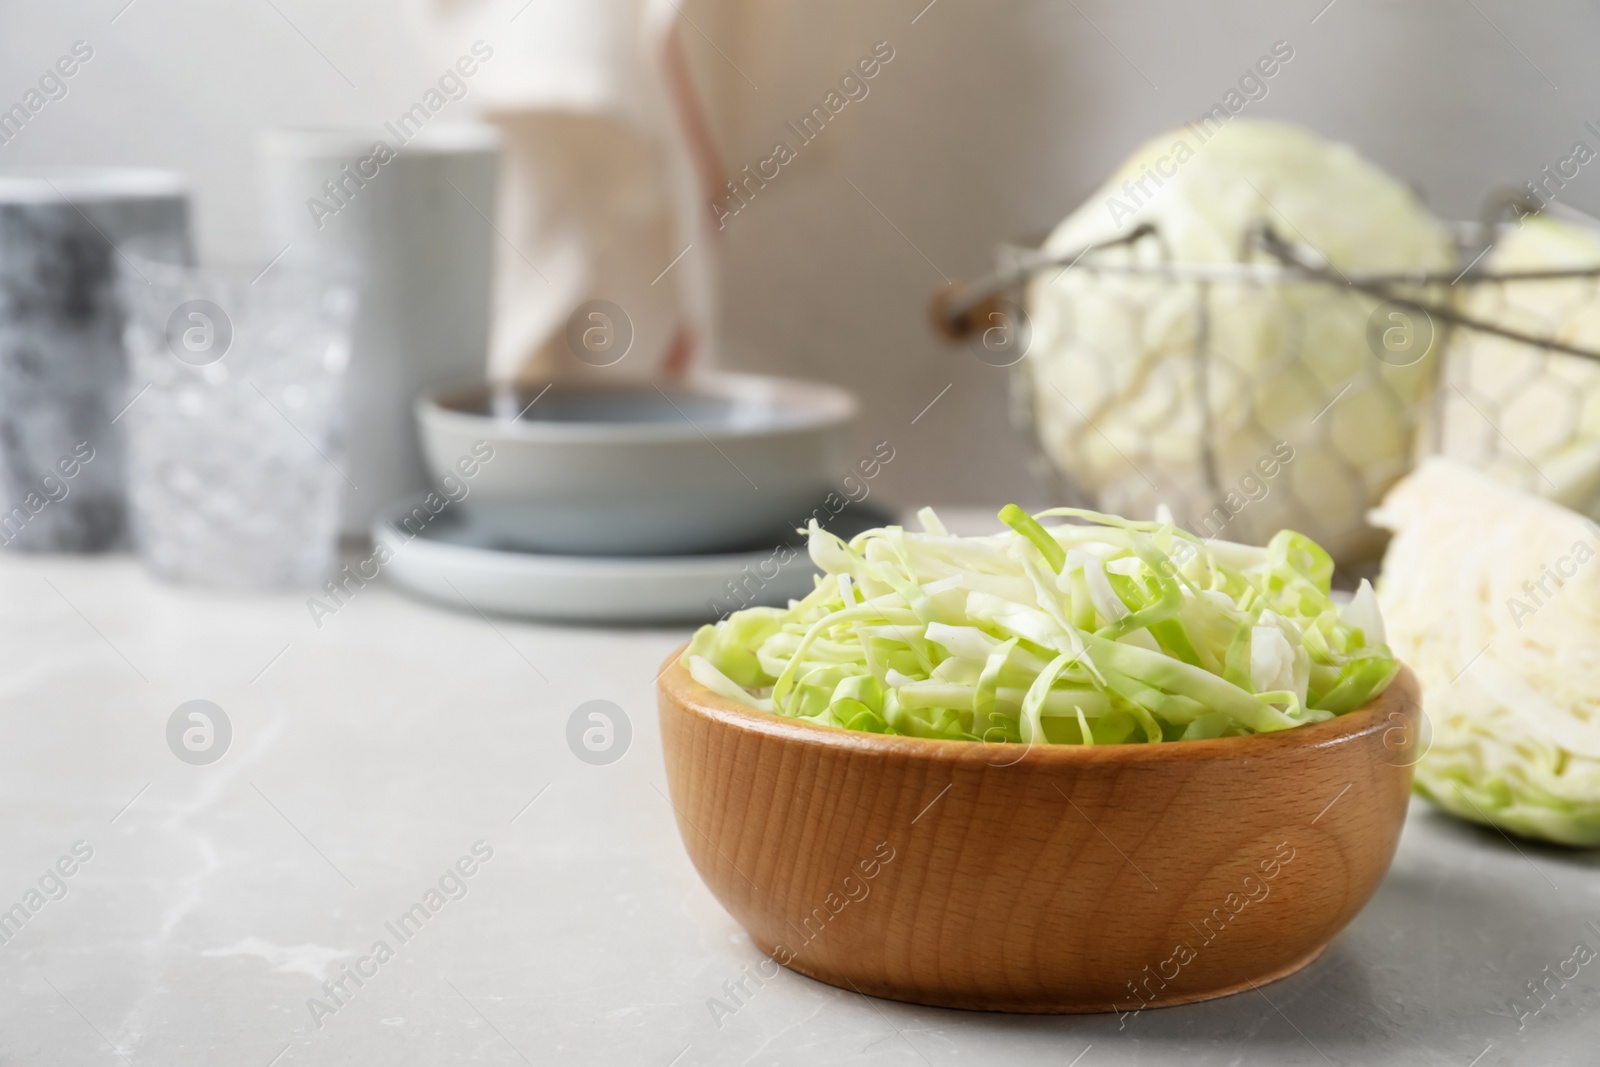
[(370, 756)]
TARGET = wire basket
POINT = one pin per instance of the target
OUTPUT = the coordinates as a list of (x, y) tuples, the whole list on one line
[(1278, 391)]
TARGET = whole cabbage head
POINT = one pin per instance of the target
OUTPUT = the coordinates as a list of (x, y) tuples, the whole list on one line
[(1141, 385), (1527, 415)]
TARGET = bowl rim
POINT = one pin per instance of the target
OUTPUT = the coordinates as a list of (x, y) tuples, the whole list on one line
[(675, 684), (821, 405)]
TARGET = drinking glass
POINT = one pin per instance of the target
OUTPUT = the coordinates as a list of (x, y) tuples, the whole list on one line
[(235, 421)]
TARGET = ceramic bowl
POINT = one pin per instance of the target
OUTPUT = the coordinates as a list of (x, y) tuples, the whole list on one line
[(719, 462), (1044, 879)]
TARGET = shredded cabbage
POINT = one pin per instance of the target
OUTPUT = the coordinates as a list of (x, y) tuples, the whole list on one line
[(1101, 631), (1493, 598)]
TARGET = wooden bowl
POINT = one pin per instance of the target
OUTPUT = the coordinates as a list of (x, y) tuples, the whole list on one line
[(1045, 879)]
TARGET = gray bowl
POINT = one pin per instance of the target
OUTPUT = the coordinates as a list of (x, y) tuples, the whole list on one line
[(716, 463)]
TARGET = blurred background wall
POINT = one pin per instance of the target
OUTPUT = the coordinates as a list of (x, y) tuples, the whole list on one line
[(991, 122)]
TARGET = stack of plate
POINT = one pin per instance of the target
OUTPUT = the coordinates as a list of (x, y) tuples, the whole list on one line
[(642, 503)]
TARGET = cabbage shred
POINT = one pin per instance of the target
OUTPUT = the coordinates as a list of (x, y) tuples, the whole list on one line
[(1098, 631)]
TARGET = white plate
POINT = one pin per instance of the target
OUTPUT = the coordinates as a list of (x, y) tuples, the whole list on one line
[(460, 561)]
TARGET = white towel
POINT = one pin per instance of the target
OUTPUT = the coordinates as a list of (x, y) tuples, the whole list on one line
[(603, 179)]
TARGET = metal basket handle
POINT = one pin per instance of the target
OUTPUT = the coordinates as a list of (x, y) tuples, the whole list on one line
[(958, 308)]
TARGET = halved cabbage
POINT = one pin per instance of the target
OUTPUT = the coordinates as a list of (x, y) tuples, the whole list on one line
[(1492, 595)]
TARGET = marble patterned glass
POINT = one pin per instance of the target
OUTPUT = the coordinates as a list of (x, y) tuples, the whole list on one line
[(63, 372), (235, 422)]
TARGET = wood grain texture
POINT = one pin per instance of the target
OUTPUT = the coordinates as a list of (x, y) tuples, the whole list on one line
[(1045, 879)]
